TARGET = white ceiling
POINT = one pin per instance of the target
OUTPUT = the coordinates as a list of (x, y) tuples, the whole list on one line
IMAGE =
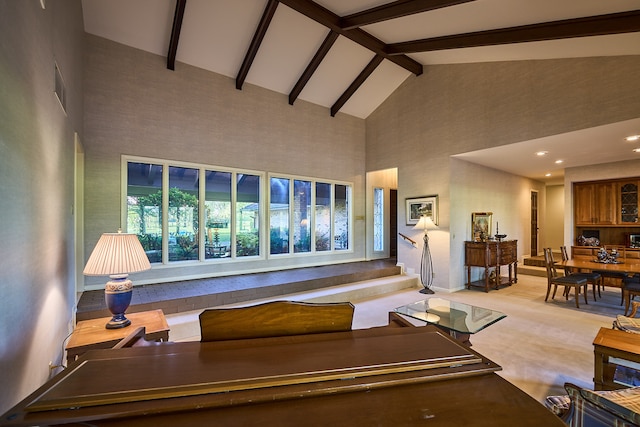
[(216, 34)]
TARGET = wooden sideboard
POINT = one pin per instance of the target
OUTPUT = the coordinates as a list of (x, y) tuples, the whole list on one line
[(491, 255)]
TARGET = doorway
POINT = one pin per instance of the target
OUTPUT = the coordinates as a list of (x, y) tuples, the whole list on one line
[(382, 214), (534, 223)]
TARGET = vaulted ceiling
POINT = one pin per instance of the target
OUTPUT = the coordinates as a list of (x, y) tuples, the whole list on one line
[(350, 55)]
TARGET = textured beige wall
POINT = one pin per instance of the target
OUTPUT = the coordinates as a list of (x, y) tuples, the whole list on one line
[(475, 188), (134, 105), (36, 195), (452, 109)]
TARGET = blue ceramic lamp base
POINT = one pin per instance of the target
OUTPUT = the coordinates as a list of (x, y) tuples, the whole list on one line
[(117, 294)]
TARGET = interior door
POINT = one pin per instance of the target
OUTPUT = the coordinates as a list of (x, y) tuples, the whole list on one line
[(534, 223)]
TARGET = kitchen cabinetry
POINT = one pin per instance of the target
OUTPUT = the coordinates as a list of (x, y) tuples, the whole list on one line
[(595, 203), (628, 202)]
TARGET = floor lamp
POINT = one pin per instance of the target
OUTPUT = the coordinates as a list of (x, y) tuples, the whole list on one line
[(426, 263)]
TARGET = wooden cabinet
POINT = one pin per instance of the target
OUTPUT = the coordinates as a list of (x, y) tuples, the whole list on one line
[(627, 198), (595, 203), (491, 256)]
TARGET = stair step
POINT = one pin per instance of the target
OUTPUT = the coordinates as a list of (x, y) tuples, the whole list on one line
[(532, 270)]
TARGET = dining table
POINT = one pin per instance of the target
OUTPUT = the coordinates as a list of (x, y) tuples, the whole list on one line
[(626, 266)]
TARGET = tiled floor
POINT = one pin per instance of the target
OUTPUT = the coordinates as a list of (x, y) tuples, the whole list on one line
[(176, 297)]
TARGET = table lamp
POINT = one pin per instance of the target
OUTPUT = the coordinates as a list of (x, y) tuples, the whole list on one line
[(117, 255), (426, 264)]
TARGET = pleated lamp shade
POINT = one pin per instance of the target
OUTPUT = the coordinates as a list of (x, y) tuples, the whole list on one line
[(117, 253), (425, 223)]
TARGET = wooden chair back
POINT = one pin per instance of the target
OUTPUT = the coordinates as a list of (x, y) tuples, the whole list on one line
[(274, 319), (549, 263)]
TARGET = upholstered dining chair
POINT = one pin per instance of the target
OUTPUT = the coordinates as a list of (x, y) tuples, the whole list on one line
[(275, 319), (628, 323), (579, 284), (630, 289), (594, 278)]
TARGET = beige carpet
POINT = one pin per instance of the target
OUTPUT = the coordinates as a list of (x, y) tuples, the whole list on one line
[(539, 345)]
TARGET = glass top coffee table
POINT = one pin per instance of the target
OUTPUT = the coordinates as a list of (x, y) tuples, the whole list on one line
[(458, 319)]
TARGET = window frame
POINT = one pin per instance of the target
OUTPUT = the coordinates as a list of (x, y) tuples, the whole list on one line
[(264, 211), (312, 214)]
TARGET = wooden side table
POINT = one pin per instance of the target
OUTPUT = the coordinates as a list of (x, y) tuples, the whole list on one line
[(92, 334), (612, 343)]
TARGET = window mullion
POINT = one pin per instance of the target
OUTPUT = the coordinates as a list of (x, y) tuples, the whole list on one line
[(165, 213)]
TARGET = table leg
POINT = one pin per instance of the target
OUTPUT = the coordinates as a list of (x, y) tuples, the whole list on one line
[(463, 338), (486, 279)]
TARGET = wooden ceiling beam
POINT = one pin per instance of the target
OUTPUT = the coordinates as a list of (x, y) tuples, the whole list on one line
[(370, 68), (258, 36), (175, 33), (615, 23), (393, 10), (313, 65), (332, 21)]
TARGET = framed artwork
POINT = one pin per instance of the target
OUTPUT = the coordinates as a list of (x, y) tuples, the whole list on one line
[(481, 226), (419, 206)]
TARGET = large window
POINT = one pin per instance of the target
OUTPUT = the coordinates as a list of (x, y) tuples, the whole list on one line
[(323, 217), (279, 216), (200, 213), (248, 215), (217, 214), (341, 219), (144, 206), (293, 216), (183, 214), (301, 219)]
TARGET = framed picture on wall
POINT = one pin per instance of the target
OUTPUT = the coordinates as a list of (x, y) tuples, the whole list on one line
[(480, 226), (419, 206)]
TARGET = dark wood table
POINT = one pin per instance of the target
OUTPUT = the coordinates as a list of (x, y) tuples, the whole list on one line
[(378, 376), (628, 266)]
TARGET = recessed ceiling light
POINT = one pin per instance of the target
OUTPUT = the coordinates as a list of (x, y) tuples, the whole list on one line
[(632, 138), (559, 161), (547, 174), (542, 153)]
